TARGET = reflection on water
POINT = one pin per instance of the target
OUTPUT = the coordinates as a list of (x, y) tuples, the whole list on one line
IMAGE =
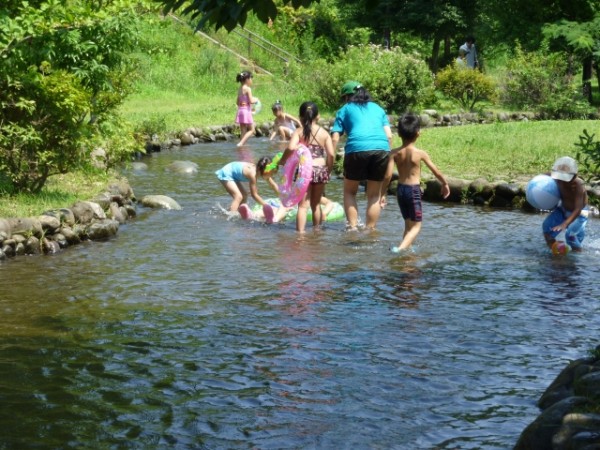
[(189, 330)]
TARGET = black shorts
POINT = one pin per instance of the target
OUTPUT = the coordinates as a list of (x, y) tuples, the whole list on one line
[(370, 165)]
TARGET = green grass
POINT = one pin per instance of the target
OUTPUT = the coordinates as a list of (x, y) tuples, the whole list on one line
[(510, 151), (61, 191)]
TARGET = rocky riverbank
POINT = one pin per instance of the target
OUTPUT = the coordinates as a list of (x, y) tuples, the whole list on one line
[(570, 418), (96, 219)]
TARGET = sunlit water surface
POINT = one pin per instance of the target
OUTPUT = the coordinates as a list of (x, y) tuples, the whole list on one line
[(189, 330)]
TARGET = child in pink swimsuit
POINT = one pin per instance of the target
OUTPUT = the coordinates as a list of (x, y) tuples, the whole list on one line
[(245, 100)]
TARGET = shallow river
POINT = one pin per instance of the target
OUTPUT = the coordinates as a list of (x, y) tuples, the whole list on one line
[(189, 330)]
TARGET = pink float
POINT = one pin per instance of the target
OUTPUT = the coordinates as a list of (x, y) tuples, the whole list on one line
[(296, 176)]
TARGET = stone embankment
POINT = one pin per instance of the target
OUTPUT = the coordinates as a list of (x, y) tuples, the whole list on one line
[(570, 418), (56, 229), (429, 118)]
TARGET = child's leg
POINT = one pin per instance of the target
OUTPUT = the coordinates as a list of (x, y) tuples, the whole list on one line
[(246, 132), (280, 214), (303, 211), (411, 231), (555, 218), (285, 133), (243, 191), (233, 189), (326, 207), (315, 203)]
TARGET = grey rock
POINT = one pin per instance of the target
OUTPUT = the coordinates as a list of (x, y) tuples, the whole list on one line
[(102, 229), (160, 201)]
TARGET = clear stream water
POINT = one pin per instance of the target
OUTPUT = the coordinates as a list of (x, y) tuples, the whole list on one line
[(189, 330)]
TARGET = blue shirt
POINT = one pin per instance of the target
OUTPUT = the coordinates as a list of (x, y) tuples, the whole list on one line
[(364, 126)]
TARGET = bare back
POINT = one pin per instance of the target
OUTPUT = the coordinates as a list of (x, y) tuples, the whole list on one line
[(408, 163)]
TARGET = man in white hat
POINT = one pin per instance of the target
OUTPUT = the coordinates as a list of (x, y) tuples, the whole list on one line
[(571, 214)]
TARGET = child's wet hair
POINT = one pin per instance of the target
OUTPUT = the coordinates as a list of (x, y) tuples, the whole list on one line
[(277, 106), (262, 164), (243, 76), (409, 125), (308, 112)]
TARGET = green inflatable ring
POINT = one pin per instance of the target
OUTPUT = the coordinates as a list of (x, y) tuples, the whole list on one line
[(335, 215)]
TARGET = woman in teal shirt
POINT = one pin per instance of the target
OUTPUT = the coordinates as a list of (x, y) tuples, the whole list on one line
[(366, 153)]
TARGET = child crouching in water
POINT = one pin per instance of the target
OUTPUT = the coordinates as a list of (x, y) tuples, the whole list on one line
[(407, 159), (284, 124)]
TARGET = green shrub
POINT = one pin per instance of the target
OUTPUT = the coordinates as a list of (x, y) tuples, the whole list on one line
[(539, 81), (588, 156), (397, 81), (465, 86)]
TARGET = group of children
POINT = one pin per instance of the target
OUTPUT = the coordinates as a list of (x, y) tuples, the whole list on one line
[(568, 219)]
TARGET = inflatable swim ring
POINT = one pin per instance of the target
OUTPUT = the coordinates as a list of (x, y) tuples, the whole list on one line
[(256, 107), (335, 215), (296, 176)]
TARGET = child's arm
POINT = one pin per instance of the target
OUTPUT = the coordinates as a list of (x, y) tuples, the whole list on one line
[(429, 163), (329, 149), (293, 119), (579, 203), (248, 91), (388, 133), (273, 185), (254, 189), (292, 145), (389, 171)]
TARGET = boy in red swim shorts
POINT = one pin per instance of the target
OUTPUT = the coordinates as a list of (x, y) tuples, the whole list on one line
[(407, 159)]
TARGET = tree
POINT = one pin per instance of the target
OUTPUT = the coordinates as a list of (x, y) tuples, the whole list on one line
[(62, 71), (570, 23), (582, 39), (437, 21), (228, 13)]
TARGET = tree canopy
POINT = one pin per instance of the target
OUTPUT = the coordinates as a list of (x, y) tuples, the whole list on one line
[(229, 13)]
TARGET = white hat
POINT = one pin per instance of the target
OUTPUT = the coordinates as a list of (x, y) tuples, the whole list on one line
[(564, 169)]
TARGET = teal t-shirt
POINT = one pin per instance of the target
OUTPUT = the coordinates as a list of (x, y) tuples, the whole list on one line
[(363, 125)]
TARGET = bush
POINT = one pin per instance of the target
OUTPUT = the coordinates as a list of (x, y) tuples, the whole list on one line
[(465, 86), (397, 81), (539, 81), (588, 156)]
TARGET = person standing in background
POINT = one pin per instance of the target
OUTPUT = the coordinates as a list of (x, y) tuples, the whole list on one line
[(470, 52)]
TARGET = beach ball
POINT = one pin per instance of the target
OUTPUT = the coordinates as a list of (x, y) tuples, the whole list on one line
[(542, 192)]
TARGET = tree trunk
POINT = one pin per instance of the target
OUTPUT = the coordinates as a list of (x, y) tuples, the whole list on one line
[(447, 49), (435, 54), (586, 78), (597, 69), (387, 37)]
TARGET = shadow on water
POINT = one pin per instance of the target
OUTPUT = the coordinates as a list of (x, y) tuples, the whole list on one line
[(194, 330)]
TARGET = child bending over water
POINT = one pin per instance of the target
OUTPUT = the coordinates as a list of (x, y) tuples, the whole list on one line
[(232, 176)]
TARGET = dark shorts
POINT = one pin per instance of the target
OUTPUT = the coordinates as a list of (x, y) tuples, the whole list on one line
[(409, 201), (370, 165)]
